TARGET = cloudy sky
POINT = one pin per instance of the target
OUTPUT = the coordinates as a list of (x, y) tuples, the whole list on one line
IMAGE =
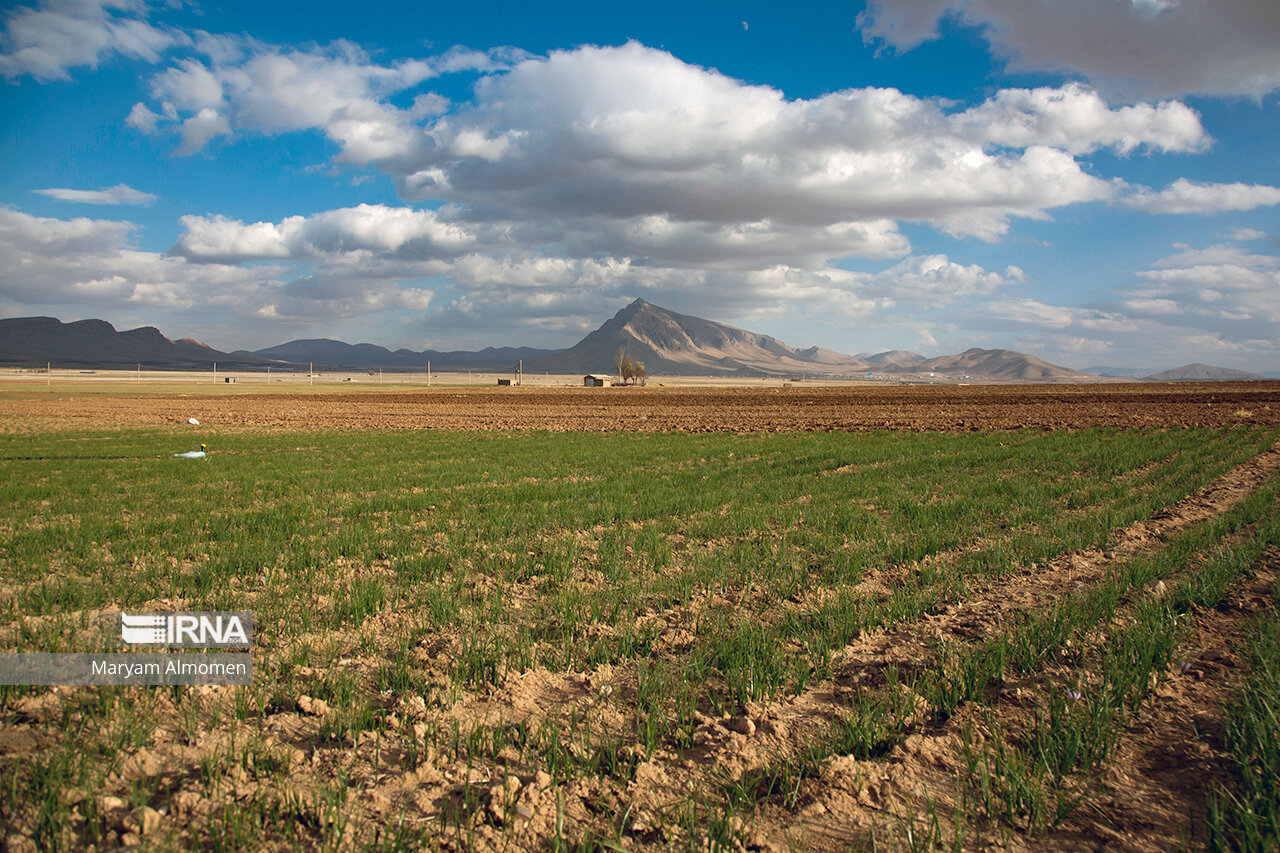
[(1093, 181)]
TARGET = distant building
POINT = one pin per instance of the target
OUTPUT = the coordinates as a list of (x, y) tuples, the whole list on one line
[(595, 380)]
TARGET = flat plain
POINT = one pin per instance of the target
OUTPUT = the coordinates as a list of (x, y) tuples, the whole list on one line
[(760, 406), (783, 618)]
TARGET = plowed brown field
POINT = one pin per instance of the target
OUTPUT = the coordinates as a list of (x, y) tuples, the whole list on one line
[(694, 409)]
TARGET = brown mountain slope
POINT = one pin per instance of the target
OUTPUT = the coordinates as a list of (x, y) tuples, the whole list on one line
[(1202, 373), (994, 364), (678, 344)]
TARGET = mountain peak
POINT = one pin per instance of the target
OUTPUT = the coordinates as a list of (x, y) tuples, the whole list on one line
[(634, 307), (671, 343)]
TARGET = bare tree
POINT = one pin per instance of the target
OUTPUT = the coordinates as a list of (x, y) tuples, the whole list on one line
[(629, 372)]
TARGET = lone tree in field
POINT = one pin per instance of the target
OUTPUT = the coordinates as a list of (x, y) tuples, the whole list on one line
[(629, 371)]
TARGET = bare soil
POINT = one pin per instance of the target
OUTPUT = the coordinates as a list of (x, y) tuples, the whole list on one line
[(691, 409)]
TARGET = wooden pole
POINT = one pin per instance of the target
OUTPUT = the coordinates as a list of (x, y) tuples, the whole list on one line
[(311, 372), (215, 373), (48, 373), (428, 373)]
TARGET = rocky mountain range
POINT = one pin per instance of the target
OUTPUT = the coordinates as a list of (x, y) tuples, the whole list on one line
[(666, 342)]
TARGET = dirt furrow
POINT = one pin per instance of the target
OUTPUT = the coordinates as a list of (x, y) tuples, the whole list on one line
[(858, 798), (768, 408)]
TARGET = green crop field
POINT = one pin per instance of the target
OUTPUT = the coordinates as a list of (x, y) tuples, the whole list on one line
[(526, 641)]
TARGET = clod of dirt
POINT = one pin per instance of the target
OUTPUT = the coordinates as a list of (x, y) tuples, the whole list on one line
[(143, 821)]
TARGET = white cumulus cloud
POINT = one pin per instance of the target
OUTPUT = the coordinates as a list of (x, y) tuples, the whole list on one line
[(1183, 196), (44, 41), (1077, 119), (370, 229), (630, 151), (631, 132), (268, 90)]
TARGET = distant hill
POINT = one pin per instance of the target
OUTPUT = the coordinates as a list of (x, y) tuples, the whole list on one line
[(1202, 373), (995, 364), (336, 354), (37, 340), (894, 356), (678, 344)]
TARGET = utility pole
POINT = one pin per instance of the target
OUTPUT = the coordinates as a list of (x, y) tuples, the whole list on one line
[(428, 373), (311, 372), (520, 371), (48, 373), (215, 373)]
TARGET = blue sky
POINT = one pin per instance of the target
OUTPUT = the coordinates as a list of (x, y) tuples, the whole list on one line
[(1093, 181)]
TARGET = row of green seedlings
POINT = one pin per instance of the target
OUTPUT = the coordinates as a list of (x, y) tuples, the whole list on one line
[(666, 709), (368, 595), (1026, 786), (323, 817), (374, 595), (574, 609), (746, 658), (1077, 728), (877, 720), (294, 528), (666, 704), (1244, 815), (650, 739), (487, 659)]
